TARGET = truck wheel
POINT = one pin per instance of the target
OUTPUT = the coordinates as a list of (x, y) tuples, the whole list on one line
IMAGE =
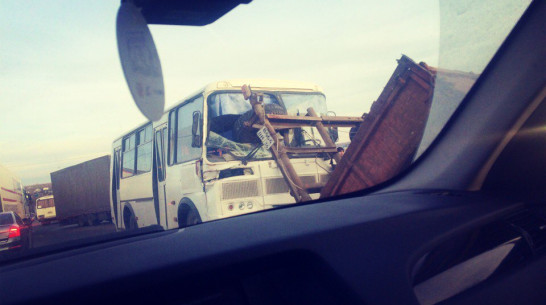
[(92, 220), (82, 221), (247, 134)]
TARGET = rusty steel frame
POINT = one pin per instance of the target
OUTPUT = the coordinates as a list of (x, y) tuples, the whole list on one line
[(280, 152)]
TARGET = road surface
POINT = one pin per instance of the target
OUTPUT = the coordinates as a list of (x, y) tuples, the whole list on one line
[(46, 235)]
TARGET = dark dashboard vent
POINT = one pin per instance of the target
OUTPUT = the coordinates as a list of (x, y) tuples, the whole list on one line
[(532, 225)]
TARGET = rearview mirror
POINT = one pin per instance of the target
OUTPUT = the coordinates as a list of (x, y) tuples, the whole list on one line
[(140, 61), (196, 130)]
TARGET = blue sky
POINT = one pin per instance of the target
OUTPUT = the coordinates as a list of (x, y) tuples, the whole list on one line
[(64, 98)]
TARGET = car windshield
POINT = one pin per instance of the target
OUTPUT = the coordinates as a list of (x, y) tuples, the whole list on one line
[(275, 104)]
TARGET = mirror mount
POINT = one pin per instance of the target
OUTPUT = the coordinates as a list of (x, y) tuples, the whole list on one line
[(182, 12)]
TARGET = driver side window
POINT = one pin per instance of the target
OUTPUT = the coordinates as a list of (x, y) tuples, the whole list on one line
[(180, 130)]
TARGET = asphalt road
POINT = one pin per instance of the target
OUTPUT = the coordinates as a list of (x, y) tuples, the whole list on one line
[(45, 235)]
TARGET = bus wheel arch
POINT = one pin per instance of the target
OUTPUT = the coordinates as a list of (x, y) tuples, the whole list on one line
[(188, 215), (129, 218)]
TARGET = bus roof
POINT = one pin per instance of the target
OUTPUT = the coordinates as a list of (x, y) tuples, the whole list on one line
[(263, 84), (254, 83)]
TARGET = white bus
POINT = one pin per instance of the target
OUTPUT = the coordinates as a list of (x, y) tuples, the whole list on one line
[(45, 209), (11, 193), (199, 163)]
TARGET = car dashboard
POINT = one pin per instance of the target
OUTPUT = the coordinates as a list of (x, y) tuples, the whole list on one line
[(344, 252)]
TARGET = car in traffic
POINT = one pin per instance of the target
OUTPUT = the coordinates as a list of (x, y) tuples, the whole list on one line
[(15, 233)]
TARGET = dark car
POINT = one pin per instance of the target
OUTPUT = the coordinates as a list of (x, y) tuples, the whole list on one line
[(15, 234)]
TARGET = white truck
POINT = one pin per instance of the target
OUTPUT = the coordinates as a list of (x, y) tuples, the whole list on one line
[(81, 192), (11, 193)]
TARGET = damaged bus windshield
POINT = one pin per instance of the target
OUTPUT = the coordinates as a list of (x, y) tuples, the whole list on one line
[(229, 114)]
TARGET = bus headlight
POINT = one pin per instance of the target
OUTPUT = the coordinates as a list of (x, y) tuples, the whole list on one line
[(249, 205)]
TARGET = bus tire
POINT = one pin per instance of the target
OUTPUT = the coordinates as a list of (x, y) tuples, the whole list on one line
[(129, 220), (188, 216), (247, 134)]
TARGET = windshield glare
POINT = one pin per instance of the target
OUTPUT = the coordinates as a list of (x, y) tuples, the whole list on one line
[(298, 104), (72, 132), (233, 103)]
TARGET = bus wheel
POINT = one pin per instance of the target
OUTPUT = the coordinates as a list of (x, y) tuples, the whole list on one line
[(188, 217), (129, 220)]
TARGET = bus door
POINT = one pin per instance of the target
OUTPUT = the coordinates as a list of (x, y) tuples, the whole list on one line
[(185, 153), (160, 140)]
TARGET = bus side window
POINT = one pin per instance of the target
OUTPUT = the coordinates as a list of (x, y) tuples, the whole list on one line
[(128, 169), (144, 150), (185, 151)]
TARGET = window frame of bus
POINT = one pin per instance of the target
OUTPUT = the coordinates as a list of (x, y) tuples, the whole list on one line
[(135, 147), (172, 158), (160, 154), (148, 140)]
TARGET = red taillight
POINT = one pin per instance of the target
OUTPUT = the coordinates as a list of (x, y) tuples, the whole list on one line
[(14, 231)]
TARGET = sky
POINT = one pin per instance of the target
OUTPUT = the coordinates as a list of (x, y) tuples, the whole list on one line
[(63, 95)]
